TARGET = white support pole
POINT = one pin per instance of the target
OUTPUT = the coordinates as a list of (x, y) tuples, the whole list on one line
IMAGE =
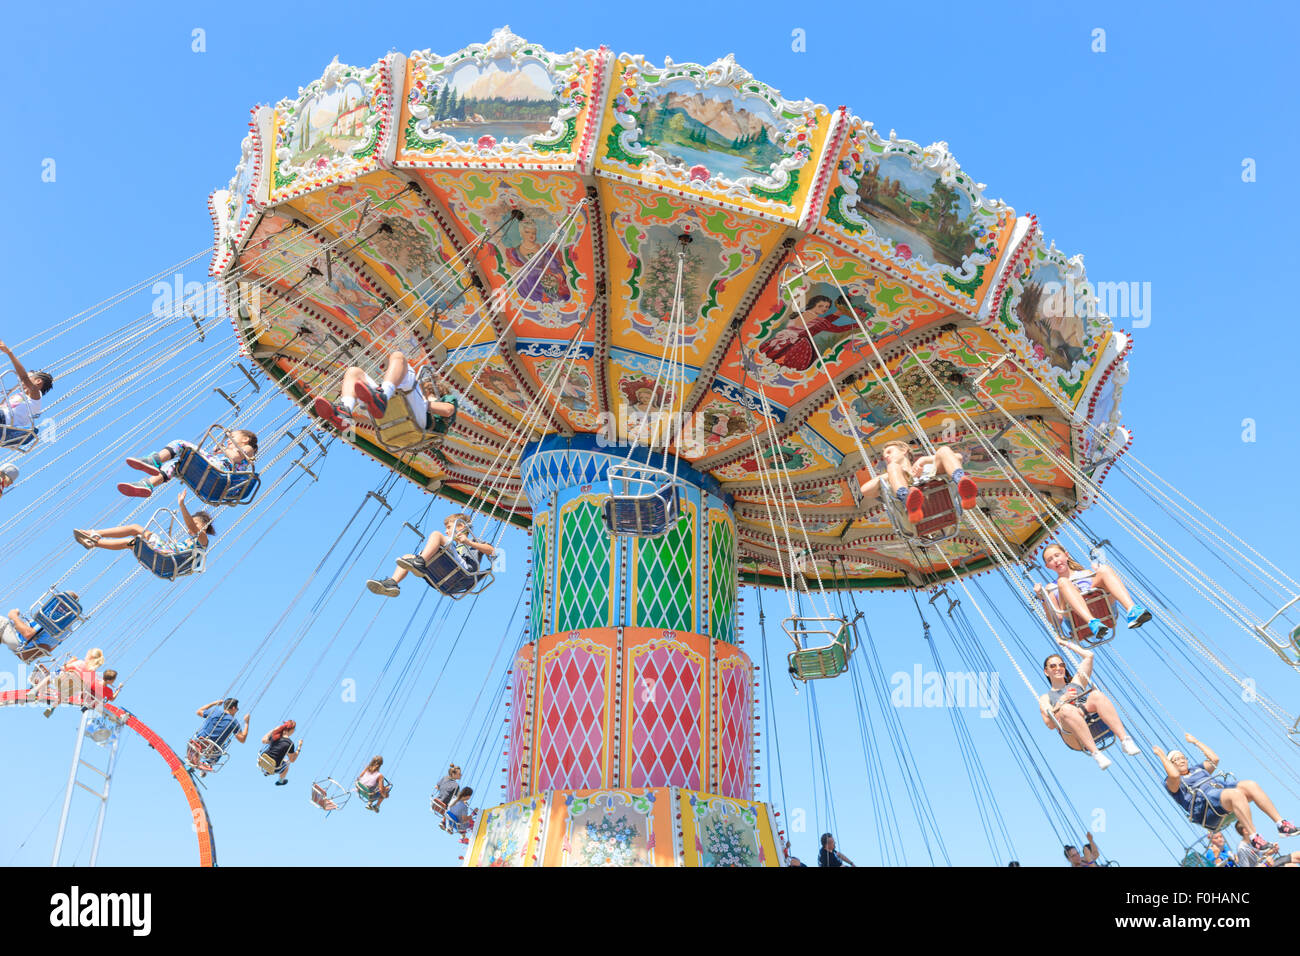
[(72, 782), (103, 800)]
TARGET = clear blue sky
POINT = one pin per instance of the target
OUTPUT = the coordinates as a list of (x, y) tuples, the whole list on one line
[(1132, 156)]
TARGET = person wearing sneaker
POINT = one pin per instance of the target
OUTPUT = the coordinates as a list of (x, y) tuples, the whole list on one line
[(459, 813), (1073, 580), (902, 474), (199, 526), (468, 551), (1065, 711), (399, 376), (1207, 800), (236, 455), (281, 748), (1248, 855)]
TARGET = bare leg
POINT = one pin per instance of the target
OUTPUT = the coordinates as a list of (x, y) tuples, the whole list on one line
[(1235, 801), (1110, 582), (871, 488), (115, 544), (898, 478), (350, 379), (122, 531), (396, 370), (432, 546), (1101, 705), (1256, 794), (1073, 721), (946, 460), (442, 409), (1072, 599)]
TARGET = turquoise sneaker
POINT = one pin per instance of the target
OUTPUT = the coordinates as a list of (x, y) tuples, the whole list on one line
[(1136, 616)]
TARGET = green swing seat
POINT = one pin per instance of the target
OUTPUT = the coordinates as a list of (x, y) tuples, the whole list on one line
[(823, 646)]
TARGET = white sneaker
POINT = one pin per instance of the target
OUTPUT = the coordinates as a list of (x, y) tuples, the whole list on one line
[(1102, 760), (1129, 747)]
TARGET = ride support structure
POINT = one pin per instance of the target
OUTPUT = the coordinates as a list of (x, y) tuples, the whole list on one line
[(632, 727)]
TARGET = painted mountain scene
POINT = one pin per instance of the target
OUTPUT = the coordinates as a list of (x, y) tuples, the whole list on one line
[(497, 99), (714, 128)]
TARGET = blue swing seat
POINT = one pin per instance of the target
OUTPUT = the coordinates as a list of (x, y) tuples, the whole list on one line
[(646, 504), (55, 615), (166, 561), (447, 575), (213, 484)]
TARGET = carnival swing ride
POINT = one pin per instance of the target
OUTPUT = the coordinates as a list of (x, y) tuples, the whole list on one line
[(679, 317)]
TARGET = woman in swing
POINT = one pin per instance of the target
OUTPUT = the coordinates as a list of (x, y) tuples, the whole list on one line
[(1073, 580), (198, 527), (433, 406), (1063, 711)]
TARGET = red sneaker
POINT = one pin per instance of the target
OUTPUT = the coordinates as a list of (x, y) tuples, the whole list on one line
[(1259, 843), (375, 404), (967, 492), (135, 489), (915, 505), (336, 415)]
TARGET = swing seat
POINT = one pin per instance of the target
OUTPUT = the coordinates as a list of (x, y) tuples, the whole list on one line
[(456, 825), (13, 438), (398, 433), (368, 794), (445, 573), (266, 763), (1102, 735), (437, 806), (166, 560), (205, 755), (941, 511), (1075, 628), (647, 503), (56, 615), (823, 646), (329, 795), (213, 484)]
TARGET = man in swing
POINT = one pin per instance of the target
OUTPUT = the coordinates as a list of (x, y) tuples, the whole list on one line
[(467, 551), (430, 410), (903, 476)]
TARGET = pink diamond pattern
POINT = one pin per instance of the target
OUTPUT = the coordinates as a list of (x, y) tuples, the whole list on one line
[(664, 740), (571, 744), (519, 680), (734, 716)]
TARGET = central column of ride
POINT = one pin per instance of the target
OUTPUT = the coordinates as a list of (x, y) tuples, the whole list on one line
[(631, 737)]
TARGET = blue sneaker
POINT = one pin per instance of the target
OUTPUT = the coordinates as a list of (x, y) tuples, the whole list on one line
[(1136, 616), (1099, 630)]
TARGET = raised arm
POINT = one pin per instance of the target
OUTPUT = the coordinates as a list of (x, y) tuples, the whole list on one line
[(1173, 778), (205, 708), (191, 525), (1084, 670), (30, 385), (242, 735), (1211, 758), (1090, 850)]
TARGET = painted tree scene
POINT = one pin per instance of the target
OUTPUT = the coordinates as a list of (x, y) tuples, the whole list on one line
[(925, 216), (332, 123)]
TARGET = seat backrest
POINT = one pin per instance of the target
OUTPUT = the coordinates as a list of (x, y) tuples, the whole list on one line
[(448, 575), (397, 429), (215, 485), (58, 614), (16, 439), (940, 510), (267, 763)]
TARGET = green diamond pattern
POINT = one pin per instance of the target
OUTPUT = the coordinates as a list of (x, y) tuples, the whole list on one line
[(541, 537), (665, 578), (722, 581), (585, 556)]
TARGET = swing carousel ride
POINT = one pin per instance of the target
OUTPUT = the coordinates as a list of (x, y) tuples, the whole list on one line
[(680, 317)]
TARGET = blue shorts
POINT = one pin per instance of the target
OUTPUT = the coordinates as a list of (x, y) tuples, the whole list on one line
[(1207, 809)]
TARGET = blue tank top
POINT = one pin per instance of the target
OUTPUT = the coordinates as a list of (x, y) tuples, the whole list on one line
[(1190, 787)]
